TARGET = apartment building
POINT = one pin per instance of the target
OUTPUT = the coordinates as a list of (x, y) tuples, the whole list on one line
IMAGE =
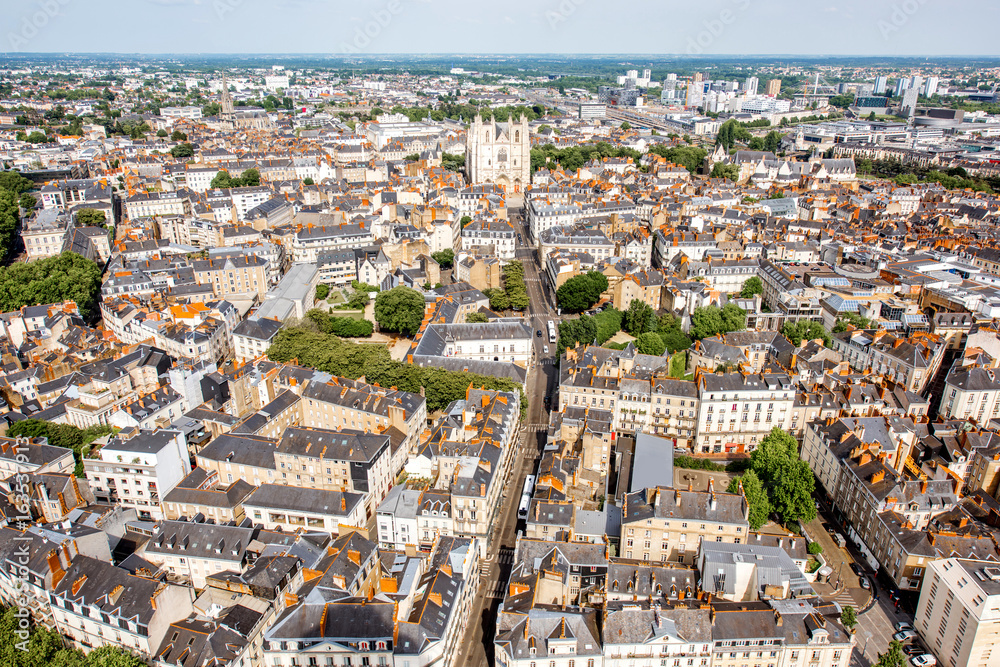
[(351, 404), (958, 614), (578, 239), (194, 550), (309, 242), (137, 468), (971, 390), (201, 493), (347, 460), (737, 410), (97, 604), (664, 524), (253, 336), (151, 204), (290, 508), (489, 237), (45, 233), (238, 276), (910, 362)]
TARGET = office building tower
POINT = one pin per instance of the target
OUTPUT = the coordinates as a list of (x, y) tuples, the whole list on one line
[(774, 87), (881, 82)]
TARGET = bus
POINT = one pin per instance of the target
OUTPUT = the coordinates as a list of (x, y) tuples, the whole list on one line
[(552, 331), (529, 487)]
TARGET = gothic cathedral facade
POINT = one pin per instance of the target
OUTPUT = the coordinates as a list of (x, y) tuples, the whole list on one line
[(499, 153)]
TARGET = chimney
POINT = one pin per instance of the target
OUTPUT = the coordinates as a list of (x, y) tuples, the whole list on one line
[(677, 498), (923, 487)]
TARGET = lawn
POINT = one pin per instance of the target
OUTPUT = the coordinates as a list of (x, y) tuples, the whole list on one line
[(678, 365)]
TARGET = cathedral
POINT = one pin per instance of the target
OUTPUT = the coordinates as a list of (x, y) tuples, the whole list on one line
[(499, 153)]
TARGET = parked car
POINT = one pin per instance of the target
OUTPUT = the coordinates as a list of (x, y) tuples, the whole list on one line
[(865, 584), (903, 625), (925, 660), (856, 569), (914, 649), (545, 349), (905, 636), (538, 333)]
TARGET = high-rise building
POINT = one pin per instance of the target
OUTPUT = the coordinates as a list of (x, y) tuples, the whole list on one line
[(958, 614), (881, 82), (751, 85), (901, 86), (695, 95), (774, 87), (930, 88), (910, 96), (698, 77)]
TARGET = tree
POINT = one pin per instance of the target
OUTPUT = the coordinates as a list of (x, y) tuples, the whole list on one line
[(401, 309), (90, 217), (788, 479), (848, 617), (650, 343), (706, 321), (581, 292), (445, 258), (65, 436), (161, 133), (250, 178), (64, 277), (893, 657), (308, 181), (802, 330), (730, 172), (476, 318), (734, 318), (464, 221), (322, 291), (752, 287), (182, 150), (852, 319), (177, 135), (27, 202), (499, 300), (222, 180), (756, 495), (815, 548), (640, 318), (626, 125)]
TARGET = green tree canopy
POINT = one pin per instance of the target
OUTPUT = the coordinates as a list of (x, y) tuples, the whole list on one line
[(322, 291), (848, 617), (802, 330), (90, 217), (756, 495), (708, 321), (477, 318), (788, 479), (650, 343), (51, 280), (752, 287), (581, 292), (445, 258), (177, 135), (182, 150), (66, 436), (893, 656), (640, 318), (401, 309), (689, 157), (730, 172)]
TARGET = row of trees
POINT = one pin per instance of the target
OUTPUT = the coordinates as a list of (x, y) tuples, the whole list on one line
[(689, 157), (46, 647), (66, 436), (805, 330), (777, 481), (250, 177), (346, 327), (908, 174), (333, 355), (574, 157), (514, 293), (51, 280), (581, 292)]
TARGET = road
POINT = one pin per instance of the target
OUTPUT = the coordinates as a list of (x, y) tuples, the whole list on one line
[(477, 646), (877, 614)]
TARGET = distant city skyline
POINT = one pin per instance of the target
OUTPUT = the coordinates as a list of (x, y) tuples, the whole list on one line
[(720, 27)]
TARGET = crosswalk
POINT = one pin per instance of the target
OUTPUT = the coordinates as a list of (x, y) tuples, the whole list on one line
[(844, 599)]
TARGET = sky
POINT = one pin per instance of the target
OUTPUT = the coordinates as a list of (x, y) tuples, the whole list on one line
[(687, 27)]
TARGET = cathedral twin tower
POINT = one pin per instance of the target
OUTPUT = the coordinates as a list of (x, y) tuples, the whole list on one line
[(499, 153)]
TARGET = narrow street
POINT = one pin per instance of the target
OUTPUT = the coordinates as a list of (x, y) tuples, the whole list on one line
[(477, 647)]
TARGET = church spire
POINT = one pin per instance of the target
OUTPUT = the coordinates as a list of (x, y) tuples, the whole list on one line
[(226, 101)]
